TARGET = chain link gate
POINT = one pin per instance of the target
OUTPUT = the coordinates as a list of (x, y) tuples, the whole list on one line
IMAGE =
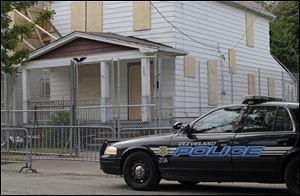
[(119, 93)]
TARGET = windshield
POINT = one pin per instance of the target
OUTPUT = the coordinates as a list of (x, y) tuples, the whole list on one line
[(219, 121)]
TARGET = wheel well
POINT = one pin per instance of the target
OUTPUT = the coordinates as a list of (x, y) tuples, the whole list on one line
[(125, 156), (286, 162)]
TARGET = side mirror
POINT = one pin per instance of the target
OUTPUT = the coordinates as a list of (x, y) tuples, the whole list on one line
[(187, 129), (177, 126)]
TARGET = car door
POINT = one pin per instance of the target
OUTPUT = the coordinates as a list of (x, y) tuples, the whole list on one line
[(271, 130), (202, 155)]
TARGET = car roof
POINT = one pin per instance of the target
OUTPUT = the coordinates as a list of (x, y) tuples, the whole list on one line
[(278, 103)]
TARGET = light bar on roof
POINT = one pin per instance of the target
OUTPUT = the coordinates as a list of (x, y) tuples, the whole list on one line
[(259, 99)]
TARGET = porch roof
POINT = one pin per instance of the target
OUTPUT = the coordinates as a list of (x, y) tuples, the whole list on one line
[(143, 45)]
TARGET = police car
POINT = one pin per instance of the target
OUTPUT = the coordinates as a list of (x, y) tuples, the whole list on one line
[(256, 141)]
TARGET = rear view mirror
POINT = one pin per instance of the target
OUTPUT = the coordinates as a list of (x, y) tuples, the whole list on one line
[(177, 126)]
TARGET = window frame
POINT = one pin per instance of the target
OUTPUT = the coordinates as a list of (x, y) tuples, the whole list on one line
[(245, 114)]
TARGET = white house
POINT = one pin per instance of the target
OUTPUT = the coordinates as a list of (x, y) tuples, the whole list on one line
[(204, 53)]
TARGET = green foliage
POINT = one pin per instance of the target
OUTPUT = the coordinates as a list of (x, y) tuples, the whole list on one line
[(12, 35), (60, 118), (284, 32)]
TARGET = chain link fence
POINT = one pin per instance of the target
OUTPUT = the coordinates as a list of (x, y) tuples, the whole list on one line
[(121, 99)]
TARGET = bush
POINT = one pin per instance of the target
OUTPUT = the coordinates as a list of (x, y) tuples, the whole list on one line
[(60, 118)]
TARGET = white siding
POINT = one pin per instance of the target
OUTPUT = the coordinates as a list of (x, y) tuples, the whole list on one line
[(209, 22), (217, 23), (117, 18), (62, 18)]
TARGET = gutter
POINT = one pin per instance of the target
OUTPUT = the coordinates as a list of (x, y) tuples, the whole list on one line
[(269, 16)]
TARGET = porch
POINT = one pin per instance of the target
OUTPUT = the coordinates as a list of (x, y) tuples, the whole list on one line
[(118, 84)]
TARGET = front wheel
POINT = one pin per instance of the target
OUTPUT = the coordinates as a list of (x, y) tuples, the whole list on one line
[(140, 172), (291, 176)]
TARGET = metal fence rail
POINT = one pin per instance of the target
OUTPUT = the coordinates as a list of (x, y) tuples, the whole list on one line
[(132, 132), (16, 146), (119, 99), (69, 142)]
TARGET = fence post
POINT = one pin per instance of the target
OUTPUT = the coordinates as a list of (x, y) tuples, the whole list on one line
[(7, 100), (259, 82), (282, 83), (155, 89), (118, 97), (159, 92), (28, 153), (199, 85)]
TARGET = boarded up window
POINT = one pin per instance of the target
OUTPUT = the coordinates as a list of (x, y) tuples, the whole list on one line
[(251, 84), (86, 16), (249, 30), (78, 16), (212, 68), (271, 84), (190, 66), (232, 61), (94, 16), (141, 15)]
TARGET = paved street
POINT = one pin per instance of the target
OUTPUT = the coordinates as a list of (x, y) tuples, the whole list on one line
[(65, 184)]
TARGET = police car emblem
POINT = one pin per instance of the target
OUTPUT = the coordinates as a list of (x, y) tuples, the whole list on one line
[(163, 151)]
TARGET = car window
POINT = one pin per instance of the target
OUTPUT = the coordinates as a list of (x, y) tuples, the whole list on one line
[(260, 119), (219, 121), (283, 121)]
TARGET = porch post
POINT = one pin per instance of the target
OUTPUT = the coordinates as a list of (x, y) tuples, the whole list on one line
[(104, 75), (26, 93), (145, 76)]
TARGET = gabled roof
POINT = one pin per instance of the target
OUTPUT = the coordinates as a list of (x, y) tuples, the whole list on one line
[(252, 6), (143, 45)]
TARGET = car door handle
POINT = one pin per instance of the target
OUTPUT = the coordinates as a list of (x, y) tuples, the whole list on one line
[(282, 140)]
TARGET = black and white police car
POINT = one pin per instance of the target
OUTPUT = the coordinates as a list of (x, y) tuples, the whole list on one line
[(257, 141)]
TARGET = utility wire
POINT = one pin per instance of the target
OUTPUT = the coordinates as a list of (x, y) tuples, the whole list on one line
[(235, 45), (207, 45)]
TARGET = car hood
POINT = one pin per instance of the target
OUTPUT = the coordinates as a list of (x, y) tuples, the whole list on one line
[(162, 140)]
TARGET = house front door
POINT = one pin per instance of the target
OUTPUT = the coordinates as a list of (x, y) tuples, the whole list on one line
[(134, 91)]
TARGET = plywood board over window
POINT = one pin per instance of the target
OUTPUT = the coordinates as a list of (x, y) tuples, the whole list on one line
[(78, 16), (212, 68), (94, 16), (271, 85), (141, 15), (249, 29), (232, 61), (190, 65), (251, 84)]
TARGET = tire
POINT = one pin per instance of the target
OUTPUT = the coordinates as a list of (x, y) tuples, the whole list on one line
[(188, 183), (291, 176), (140, 172)]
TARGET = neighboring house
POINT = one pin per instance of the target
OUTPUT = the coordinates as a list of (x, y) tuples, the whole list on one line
[(227, 58), (11, 86)]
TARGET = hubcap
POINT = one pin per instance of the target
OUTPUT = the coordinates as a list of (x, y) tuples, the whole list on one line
[(139, 171)]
